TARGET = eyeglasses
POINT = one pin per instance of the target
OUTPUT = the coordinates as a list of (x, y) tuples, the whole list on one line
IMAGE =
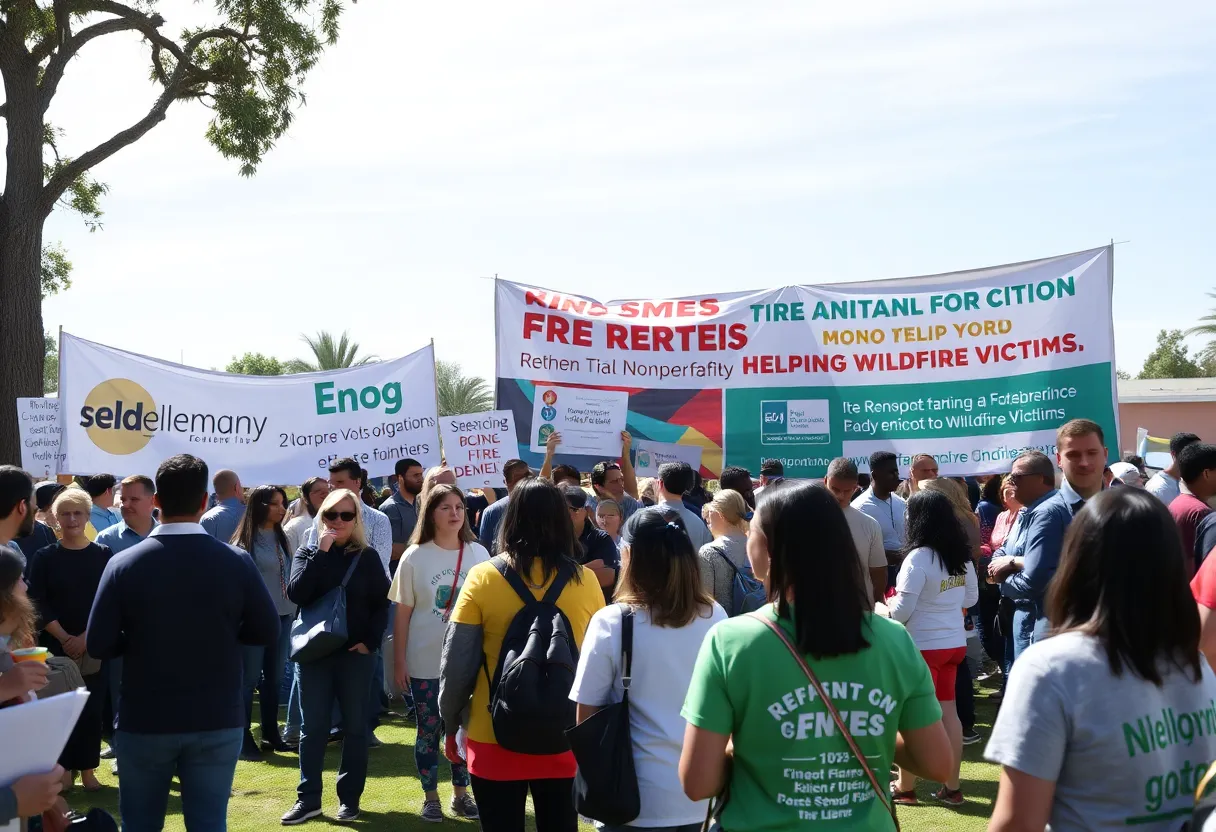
[(344, 516)]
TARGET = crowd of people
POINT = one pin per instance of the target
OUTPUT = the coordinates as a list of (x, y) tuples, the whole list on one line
[(808, 648)]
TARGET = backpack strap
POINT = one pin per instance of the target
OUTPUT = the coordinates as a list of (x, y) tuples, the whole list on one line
[(521, 589), (729, 562)]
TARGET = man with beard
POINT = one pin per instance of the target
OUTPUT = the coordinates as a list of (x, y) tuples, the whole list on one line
[(402, 507), (16, 503)]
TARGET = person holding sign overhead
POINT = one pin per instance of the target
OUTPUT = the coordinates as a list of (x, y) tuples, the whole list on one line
[(432, 571)]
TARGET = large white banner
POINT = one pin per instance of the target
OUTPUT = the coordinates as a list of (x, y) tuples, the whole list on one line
[(972, 367), (38, 420), (124, 414)]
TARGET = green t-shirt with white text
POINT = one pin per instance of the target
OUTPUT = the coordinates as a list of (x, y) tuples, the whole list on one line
[(791, 766)]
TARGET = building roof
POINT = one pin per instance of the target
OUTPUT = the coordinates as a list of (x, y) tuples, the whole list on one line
[(1143, 390)]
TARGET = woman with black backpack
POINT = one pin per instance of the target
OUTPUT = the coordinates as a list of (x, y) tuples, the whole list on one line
[(660, 590), (512, 691)]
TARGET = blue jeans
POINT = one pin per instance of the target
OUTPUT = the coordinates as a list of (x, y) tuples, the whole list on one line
[(374, 694), (204, 763), (294, 717), (1025, 625), (344, 677), (263, 672), (429, 743)]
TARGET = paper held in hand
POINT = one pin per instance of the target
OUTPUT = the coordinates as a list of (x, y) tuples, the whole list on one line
[(590, 421)]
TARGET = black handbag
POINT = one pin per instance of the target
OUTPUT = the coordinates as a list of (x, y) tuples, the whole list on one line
[(606, 783), (320, 628)]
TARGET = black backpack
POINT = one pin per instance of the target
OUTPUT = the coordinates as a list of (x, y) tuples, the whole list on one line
[(530, 704)]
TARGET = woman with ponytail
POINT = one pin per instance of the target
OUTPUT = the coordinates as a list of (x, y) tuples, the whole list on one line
[(727, 516)]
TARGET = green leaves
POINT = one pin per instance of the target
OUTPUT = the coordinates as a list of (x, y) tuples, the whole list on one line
[(56, 270), (1170, 359), (460, 394), (255, 364), (328, 354)]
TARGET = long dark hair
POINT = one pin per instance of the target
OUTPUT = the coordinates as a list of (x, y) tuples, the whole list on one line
[(13, 606), (257, 509), (662, 573), (1122, 579), (932, 523), (537, 527), (812, 553)]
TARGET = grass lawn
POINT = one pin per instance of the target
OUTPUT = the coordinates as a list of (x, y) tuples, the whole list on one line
[(393, 799)]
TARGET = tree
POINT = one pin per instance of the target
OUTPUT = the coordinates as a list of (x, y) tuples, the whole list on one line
[(1122, 375), (458, 393), (50, 364), (255, 364), (1170, 359), (328, 354), (248, 67)]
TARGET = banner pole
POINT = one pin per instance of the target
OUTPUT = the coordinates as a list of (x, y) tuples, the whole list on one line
[(435, 382)]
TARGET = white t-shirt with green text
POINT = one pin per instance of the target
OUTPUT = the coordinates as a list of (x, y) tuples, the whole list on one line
[(424, 581), (1123, 753)]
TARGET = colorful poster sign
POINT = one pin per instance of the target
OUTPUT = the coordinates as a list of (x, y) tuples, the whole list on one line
[(648, 456), (589, 420), (972, 367), (38, 421), (124, 413), (477, 445)]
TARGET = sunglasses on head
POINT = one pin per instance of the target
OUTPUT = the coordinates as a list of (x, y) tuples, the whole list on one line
[(344, 516)]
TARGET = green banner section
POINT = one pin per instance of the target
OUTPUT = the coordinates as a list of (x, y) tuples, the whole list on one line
[(808, 426)]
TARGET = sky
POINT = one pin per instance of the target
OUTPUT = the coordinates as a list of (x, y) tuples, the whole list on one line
[(641, 149)]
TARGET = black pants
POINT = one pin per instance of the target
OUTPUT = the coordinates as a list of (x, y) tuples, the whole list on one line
[(501, 804), (991, 635), (83, 750), (964, 697), (343, 677)]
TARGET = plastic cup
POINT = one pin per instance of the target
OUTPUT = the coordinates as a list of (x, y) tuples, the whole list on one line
[(31, 654)]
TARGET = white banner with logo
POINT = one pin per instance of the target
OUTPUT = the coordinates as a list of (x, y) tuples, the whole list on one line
[(477, 445), (973, 367), (124, 413), (650, 455), (38, 421)]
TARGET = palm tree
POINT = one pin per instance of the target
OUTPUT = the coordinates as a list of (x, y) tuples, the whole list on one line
[(460, 394), (1207, 326), (328, 355)]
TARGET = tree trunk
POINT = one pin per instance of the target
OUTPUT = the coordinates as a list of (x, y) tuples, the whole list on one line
[(22, 350)]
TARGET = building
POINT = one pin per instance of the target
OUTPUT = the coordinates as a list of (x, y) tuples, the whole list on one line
[(1165, 406)]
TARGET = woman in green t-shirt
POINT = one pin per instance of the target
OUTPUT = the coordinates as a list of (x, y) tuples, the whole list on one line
[(750, 702)]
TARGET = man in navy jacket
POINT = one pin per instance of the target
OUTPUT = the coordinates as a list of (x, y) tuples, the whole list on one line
[(177, 608)]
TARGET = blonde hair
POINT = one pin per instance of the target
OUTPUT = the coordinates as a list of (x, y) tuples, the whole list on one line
[(357, 535), (428, 482), (958, 498), (73, 497), (646, 484), (731, 505)]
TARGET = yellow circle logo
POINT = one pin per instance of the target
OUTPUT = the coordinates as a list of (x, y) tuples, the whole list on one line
[(119, 416)]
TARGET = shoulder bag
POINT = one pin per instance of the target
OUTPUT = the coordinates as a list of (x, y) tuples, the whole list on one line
[(320, 628), (881, 793), (447, 609), (606, 783)]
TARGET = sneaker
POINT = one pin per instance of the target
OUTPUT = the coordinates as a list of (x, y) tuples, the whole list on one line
[(109, 753), (432, 812), (346, 813), (463, 806), (299, 813), (373, 741), (899, 798), (971, 737), (949, 797), (114, 768)]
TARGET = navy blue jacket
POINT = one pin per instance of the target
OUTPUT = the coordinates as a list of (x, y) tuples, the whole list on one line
[(177, 608)]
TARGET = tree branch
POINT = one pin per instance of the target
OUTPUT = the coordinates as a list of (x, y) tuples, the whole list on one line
[(67, 51), (70, 172)]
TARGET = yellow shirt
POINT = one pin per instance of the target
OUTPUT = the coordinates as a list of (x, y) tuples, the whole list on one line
[(486, 599)]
